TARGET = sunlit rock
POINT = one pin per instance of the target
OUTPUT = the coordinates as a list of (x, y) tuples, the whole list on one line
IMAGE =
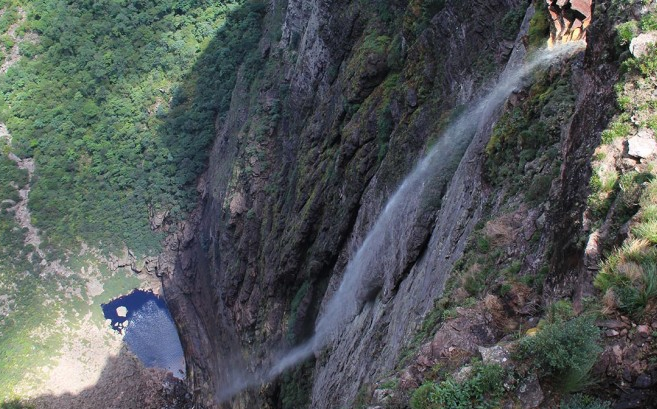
[(570, 19), (642, 145), (640, 45), (122, 311)]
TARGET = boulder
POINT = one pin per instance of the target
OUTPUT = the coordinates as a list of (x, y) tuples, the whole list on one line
[(643, 330), (640, 44), (643, 381), (463, 374), (530, 393), (122, 311), (382, 395), (642, 145), (494, 355)]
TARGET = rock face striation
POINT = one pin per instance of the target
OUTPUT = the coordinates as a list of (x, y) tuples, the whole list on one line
[(348, 96)]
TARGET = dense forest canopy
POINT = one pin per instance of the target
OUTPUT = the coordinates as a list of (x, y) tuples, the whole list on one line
[(102, 102), (115, 101)]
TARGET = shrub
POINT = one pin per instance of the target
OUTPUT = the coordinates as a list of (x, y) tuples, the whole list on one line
[(539, 27), (583, 402), (649, 22), (424, 396), (560, 311), (14, 404), (618, 129), (627, 31), (511, 22), (539, 189), (563, 350), (482, 389), (628, 277)]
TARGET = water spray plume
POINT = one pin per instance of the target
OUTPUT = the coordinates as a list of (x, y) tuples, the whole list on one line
[(363, 267)]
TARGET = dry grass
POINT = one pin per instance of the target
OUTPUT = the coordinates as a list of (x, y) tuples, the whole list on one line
[(502, 231), (609, 304), (631, 270)]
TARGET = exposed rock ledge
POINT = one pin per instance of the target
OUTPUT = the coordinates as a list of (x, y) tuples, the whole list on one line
[(570, 19)]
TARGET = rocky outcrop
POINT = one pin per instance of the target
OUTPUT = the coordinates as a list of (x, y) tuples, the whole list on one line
[(640, 45), (595, 92), (570, 19)]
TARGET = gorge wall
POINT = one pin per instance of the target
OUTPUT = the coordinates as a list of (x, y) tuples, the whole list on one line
[(345, 98)]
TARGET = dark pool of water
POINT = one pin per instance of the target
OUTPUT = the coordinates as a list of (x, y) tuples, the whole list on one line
[(149, 330)]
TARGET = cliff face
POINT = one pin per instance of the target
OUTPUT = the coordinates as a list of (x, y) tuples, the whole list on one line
[(346, 97)]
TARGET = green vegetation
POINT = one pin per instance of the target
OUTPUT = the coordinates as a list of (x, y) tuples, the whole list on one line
[(14, 404), (628, 277), (580, 401), (9, 16), (627, 31), (116, 103), (110, 116), (294, 309), (539, 26), (618, 129), (296, 386), (563, 351), (482, 389), (511, 21), (419, 13), (23, 310), (528, 134)]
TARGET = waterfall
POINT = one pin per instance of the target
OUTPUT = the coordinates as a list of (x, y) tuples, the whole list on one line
[(364, 266)]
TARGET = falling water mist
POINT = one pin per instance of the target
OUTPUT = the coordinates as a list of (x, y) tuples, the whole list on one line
[(365, 264)]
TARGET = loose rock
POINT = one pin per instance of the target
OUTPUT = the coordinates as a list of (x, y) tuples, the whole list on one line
[(122, 311), (530, 393), (644, 381), (641, 43), (642, 146)]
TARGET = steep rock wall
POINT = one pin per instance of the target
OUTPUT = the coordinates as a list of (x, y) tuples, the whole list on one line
[(302, 164)]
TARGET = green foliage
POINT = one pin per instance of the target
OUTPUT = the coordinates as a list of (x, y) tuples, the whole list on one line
[(627, 31), (580, 401), (618, 129), (10, 175), (539, 189), (385, 126), (432, 7), (483, 389), (110, 116), (424, 396), (15, 404), (296, 387), (419, 13), (8, 17), (560, 311), (646, 64), (294, 308), (374, 44), (528, 133), (117, 119), (511, 22), (630, 273), (649, 22), (539, 26), (563, 350)]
